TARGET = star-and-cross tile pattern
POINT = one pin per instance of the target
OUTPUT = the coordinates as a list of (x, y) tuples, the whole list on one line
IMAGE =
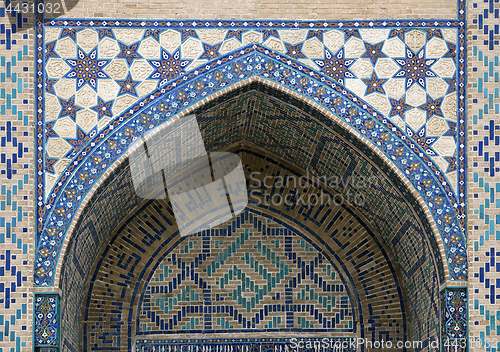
[(94, 74)]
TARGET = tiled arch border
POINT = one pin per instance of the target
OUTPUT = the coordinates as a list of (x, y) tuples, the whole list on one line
[(459, 267), (459, 270), (459, 196), (279, 87)]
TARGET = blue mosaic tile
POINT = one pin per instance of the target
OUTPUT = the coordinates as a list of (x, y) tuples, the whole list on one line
[(84, 138), (485, 162), (15, 153), (46, 315), (191, 274), (323, 296), (455, 320)]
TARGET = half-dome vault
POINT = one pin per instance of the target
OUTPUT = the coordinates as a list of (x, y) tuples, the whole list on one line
[(366, 267)]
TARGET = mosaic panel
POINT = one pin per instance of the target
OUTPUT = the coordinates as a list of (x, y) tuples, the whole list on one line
[(16, 181), (245, 278), (454, 325), (407, 74), (46, 321), (414, 258), (247, 345), (484, 175), (285, 76), (109, 300)]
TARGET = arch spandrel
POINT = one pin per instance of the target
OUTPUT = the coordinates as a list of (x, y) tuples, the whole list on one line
[(170, 99)]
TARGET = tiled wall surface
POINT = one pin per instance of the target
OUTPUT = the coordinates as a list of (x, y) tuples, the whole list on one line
[(17, 172), (378, 65), (232, 266), (484, 174), (339, 229), (16, 182)]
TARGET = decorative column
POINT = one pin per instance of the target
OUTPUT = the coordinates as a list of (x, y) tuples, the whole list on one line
[(455, 317), (47, 321)]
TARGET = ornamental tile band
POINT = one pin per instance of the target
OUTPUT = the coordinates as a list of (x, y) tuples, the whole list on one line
[(246, 344), (46, 321)]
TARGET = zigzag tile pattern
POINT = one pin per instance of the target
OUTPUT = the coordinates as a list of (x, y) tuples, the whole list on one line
[(110, 300), (16, 179), (484, 174), (258, 275)]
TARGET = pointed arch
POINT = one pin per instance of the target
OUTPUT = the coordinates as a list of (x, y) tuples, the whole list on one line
[(343, 112)]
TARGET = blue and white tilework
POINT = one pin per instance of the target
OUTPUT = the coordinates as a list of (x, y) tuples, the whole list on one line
[(46, 317), (403, 74), (484, 175), (94, 74), (16, 182), (129, 60), (454, 320)]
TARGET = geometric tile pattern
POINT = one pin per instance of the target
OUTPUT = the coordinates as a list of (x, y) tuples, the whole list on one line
[(246, 279), (484, 175), (424, 305), (445, 216), (16, 181), (46, 321), (407, 74), (196, 297)]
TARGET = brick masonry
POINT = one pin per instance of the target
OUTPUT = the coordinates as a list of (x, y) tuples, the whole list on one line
[(260, 9), (17, 196), (346, 231)]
